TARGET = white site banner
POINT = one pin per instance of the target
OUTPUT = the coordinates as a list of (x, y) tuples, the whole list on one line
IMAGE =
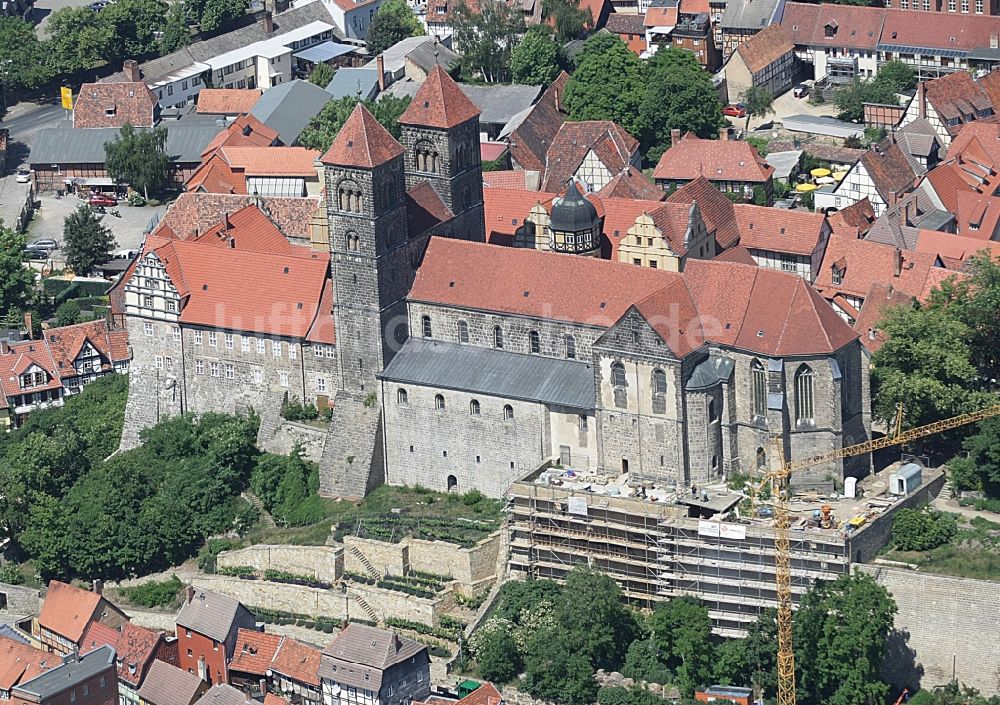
[(725, 531)]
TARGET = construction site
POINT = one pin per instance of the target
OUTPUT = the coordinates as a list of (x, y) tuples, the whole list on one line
[(709, 542)]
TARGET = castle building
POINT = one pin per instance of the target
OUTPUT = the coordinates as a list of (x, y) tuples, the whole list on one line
[(460, 365)]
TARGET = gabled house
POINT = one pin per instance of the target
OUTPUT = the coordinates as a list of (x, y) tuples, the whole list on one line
[(248, 669), (227, 101), (21, 662), (532, 134), (294, 671), (264, 171), (854, 220), (786, 240), (838, 42), (883, 175), (631, 183), (939, 44), (765, 60), (114, 105), (137, 649), (207, 628), (732, 166), (592, 152), (630, 28), (949, 103), (744, 18), (716, 210), (368, 666), (166, 684), (81, 680), (244, 131), (68, 611)]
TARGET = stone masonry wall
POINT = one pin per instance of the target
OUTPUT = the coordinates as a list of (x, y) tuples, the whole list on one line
[(20, 601), (865, 544), (945, 628), (289, 433), (387, 558), (470, 567), (324, 563)]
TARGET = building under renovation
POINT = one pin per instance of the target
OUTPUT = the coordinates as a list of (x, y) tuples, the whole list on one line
[(662, 543)]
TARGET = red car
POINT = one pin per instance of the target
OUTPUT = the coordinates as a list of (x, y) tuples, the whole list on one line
[(100, 199), (734, 111)]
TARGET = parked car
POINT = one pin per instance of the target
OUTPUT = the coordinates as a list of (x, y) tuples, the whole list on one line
[(734, 110), (47, 244), (97, 6), (23, 175), (33, 253), (801, 91), (102, 199)]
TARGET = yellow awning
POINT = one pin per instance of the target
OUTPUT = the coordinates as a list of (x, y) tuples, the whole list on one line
[(820, 172), (806, 187)]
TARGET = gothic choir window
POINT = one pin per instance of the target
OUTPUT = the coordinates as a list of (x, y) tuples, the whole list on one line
[(758, 388), (804, 412)]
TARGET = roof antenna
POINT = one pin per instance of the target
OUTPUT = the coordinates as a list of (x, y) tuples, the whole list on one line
[(359, 90)]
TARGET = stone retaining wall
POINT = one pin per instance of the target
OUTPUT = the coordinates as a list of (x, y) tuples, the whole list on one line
[(20, 601), (325, 563), (289, 433), (945, 628), (472, 568)]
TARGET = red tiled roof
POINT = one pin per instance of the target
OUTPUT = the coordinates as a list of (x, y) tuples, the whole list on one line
[(990, 83), (530, 141), (23, 356), (114, 104), (941, 30), (953, 246), (98, 635), (977, 215), (716, 210), (439, 103), (506, 210), (632, 183), (254, 651), (245, 131), (625, 23), (779, 230), (425, 209), (21, 662), (297, 661), (852, 26), (272, 699), (513, 179), (866, 323), (739, 254), (854, 220), (754, 309), (214, 175), (194, 213), (67, 610), (948, 183), (660, 17), (272, 161), (136, 651), (977, 140), (66, 342), (249, 229), (957, 95), (716, 160), (323, 330), (764, 48), (890, 170), (612, 145), (491, 151), (362, 142), (227, 101)]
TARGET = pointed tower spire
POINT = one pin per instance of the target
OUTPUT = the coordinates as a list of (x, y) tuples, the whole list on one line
[(362, 142), (439, 103)]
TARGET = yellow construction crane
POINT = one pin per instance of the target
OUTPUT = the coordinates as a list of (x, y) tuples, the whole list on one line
[(779, 481)]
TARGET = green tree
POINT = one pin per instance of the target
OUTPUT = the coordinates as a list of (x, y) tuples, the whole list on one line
[(87, 243), (535, 60), (486, 38), (68, 313), (176, 32), (678, 94), (571, 21), (595, 620), (517, 596), (219, 14), (979, 467), (922, 529), (134, 26), (898, 76), (16, 280), (682, 630), (974, 301), (557, 669), (840, 634), (321, 75), (752, 661), (28, 66), (608, 84), (139, 158), (759, 102), (643, 662), (393, 22), (894, 77), (498, 658), (322, 129), (79, 38)]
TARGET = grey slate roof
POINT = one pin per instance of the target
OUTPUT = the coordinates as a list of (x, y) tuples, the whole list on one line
[(288, 108), (222, 694), (209, 613), (348, 81), (427, 54), (65, 145), (714, 369), (499, 103), (69, 675), (359, 650), (165, 684), (206, 49), (918, 138), (758, 14), (494, 372)]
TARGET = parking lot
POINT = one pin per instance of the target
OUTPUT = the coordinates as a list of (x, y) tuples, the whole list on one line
[(128, 230)]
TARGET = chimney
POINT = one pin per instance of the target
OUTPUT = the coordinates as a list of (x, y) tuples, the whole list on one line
[(262, 684), (130, 68), (4, 347), (397, 643), (380, 65), (98, 586), (724, 133), (189, 593), (344, 624), (897, 263), (267, 22), (28, 326), (921, 100), (225, 221), (906, 220), (675, 136)]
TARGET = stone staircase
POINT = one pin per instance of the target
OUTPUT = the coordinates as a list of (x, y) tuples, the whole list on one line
[(363, 560), (946, 490), (255, 502), (367, 609)]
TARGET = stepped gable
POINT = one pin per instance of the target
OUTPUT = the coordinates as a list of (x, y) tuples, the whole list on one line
[(439, 103), (362, 142)]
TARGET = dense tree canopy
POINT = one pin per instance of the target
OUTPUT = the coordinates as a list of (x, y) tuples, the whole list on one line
[(139, 158), (176, 32), (212, 16), (16, 280), (535, 60), (894, 77), (133, 26), (922, 529), (78, 39), (486, 38), (569, 19), (86, 241), (321, 75), (323, 128), (393, 22), (29, 65), (609, 84)]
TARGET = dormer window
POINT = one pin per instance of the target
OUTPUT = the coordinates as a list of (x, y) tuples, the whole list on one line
[(837, 275), (109, 112)]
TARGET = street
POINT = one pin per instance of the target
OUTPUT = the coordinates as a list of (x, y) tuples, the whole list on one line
[(24, 120)]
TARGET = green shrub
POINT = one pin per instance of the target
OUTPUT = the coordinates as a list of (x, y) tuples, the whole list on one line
[(237, 571), (10, 574), (135, 199), (922, 529), (154, 593), (68, 313)]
